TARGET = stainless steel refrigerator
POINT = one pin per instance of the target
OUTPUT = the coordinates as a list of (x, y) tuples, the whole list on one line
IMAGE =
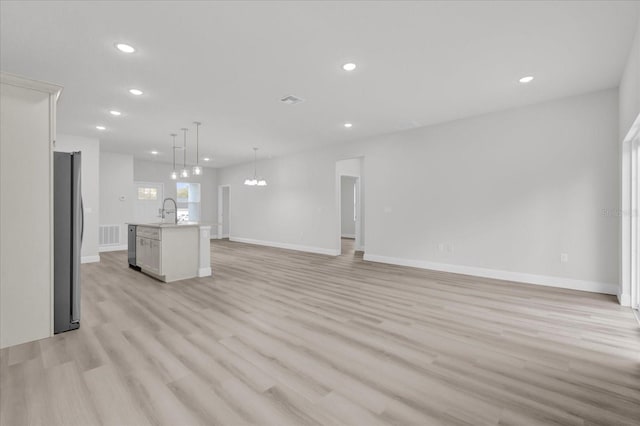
[(68, 219)]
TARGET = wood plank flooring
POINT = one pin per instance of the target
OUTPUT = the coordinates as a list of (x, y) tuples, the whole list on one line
[(278, 337)]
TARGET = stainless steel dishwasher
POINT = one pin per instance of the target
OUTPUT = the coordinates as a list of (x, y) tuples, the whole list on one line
[(131, 245)]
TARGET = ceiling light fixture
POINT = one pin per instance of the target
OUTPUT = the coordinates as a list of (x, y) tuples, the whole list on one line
[(114, 112), (101, 128), (154, 152), (174, 175), (184, 173), (136, 92), (348, 125), (255, 181), (125, 48), (207, 159), (527, 79), (197, 170), (350, 66)]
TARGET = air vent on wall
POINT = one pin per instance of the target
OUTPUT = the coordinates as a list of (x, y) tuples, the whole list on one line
[(109, 235), (291, 100)]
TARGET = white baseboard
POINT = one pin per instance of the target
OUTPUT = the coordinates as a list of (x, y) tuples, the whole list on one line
[(308, 249), (348, 235), (549, 281), (102, 249), (224, 236), (624, 299), (204, 272), (89, 259)]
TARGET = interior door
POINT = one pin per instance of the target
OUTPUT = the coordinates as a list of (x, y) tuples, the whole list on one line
[(148, 202)]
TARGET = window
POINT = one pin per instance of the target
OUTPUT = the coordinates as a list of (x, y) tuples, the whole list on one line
[(147, 193), (188, 199)]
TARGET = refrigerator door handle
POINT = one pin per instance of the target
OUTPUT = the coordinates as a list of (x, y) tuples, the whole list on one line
[(82, 216), (78, 231)]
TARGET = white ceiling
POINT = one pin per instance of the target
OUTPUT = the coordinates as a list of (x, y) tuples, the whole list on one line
[(227, 64)]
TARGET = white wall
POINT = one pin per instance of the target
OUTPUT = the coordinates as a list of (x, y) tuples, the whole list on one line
[(298, 207), (503, 194), (225, 212), (116, 191), (150, 171), (349, 167), (90, 176), (26, 269), (508, 191), (630, 87), (348, 224)]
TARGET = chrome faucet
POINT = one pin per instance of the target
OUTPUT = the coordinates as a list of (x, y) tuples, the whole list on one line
[(174, 211)]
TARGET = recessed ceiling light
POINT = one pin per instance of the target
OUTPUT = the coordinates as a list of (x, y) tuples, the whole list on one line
[(348, 125), (527, 79), (114, 112), (206, 159), (101, 128), (154, 152), (125, 48), (349, 66), (136, 92)]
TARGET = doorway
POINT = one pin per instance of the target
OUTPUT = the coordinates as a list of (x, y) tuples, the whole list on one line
[(148, 202), (223, 211), (350, 211)]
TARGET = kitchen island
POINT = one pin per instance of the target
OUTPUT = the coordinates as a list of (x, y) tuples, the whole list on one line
[(170, 252)]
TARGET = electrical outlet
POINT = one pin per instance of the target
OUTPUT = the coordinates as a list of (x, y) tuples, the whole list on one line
[(564, 257)]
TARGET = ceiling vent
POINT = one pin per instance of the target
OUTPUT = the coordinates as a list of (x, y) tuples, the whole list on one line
[(291, 100)]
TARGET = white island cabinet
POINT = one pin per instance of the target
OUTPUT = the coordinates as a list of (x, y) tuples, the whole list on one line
[(170, 252)]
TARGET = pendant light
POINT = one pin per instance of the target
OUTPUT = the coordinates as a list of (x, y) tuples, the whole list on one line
[(197, 170), (174, 174), (184, 173), (255, 181)]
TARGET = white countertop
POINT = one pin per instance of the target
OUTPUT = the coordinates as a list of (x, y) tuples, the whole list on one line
[(169, 224)]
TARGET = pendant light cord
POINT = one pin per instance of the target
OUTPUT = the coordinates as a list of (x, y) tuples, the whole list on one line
[(197, 143), (174, 150), (184, 149)]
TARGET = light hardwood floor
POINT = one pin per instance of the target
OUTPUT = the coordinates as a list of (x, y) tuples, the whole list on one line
[(279, 337)]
